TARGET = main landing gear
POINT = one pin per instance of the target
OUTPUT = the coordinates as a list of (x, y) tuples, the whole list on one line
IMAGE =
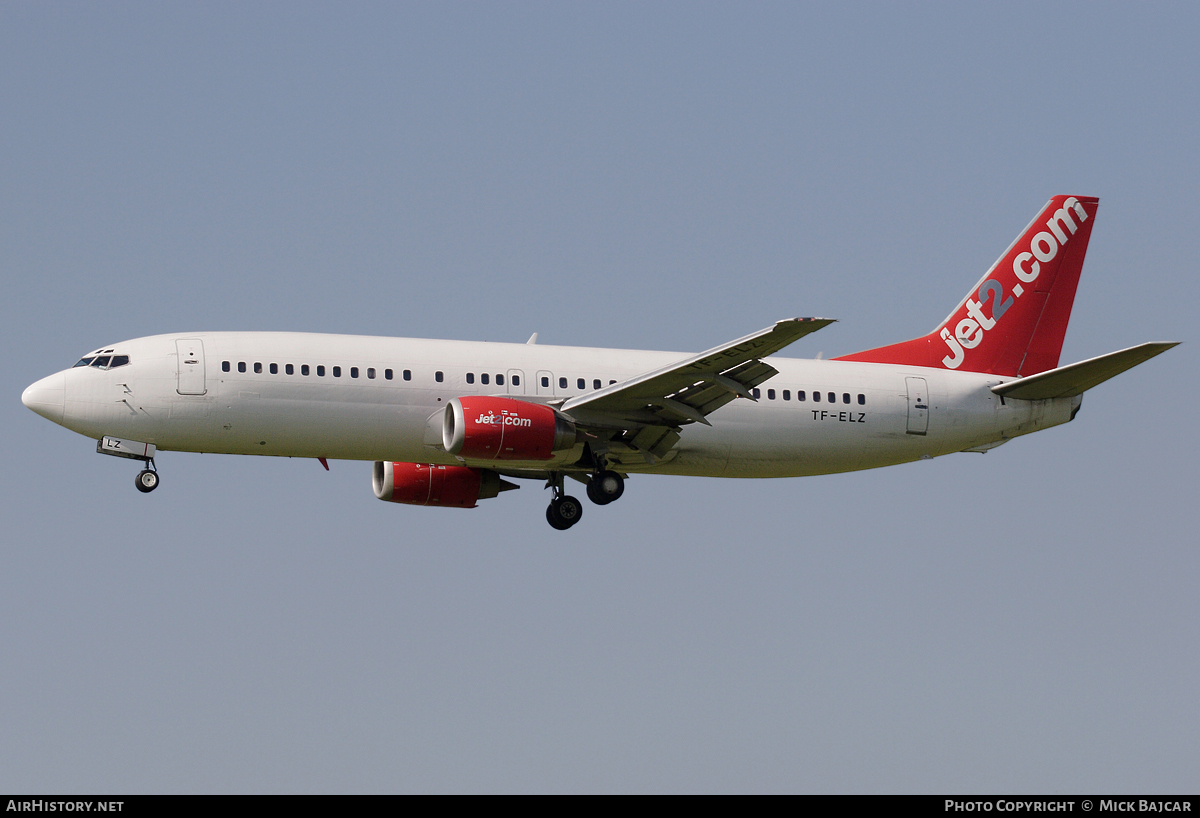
[(564, 511), (604, 487)]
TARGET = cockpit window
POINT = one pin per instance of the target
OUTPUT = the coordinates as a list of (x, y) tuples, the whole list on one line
[(103, 361)]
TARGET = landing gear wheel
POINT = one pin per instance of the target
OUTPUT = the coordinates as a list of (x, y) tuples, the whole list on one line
[(605, 487), (564, 512), (146, 481)]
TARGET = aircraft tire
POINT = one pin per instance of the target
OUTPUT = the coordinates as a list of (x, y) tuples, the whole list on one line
[(146, 481), (605, 487), (554, 521), (564, 512)]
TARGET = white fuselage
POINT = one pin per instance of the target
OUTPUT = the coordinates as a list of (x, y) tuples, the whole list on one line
[(199, 399)]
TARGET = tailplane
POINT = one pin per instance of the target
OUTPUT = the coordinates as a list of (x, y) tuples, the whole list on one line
[(1014, 320), (1075, 379)]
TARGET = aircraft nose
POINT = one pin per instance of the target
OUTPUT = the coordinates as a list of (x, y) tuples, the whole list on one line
[(47, 396)]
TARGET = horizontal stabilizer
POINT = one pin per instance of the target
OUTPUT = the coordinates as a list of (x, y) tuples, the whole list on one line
[(1075, 379)]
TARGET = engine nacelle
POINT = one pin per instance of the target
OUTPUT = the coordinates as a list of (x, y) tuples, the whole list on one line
[(479, 427), (423, 484)]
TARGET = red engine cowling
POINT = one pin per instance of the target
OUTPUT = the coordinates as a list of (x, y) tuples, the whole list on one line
[(484, 428), (423, 484)]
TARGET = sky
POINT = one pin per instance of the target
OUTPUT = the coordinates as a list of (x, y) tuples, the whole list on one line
[(637, 175)]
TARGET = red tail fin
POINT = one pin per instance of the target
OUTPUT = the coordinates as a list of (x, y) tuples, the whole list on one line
[(1014, 320)]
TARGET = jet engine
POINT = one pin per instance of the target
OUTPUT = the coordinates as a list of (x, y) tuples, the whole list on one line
[(424, 484), (479, 427)]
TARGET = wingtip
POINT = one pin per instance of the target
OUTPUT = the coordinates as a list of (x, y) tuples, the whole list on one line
[(1160, 347)]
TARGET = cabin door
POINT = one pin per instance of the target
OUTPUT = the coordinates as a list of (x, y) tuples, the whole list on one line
[(191, 366), (918, 406)]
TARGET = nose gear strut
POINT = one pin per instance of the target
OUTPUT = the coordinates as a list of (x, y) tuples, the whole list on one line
[(147, 479)]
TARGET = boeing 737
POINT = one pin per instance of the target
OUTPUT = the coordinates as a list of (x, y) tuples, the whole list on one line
[(449, 423)]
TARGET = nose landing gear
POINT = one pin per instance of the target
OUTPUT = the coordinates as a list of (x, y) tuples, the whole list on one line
[(147, 479)]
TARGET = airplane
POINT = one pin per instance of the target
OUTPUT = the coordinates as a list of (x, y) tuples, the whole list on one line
[(450, 423)]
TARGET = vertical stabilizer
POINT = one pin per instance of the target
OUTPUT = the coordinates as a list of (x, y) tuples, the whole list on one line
[(1014, 320)]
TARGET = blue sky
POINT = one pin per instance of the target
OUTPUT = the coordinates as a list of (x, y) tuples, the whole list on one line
[(660, 176)]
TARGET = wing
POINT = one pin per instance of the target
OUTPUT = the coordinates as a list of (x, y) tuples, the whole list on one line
[(645, 413)]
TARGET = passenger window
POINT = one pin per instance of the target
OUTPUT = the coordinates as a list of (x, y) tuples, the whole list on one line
[(274, 369), (241, 366), (787, 394), (408, 374), (257, 368), (483, 379), (610, 383), (387, 374), (337, 372), (756, 392), (562, 383), (801, 395), (845, 397), (832, 397), (770, 394), (545, 382), (817, 397), (471, 377), (596, 384), (516, 380), (499, 380), (224, 366), (289, 369), (581, 384), (320, 370), (370, 373), (862, 400), (438, 376), (353, 371), (303, 369)]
